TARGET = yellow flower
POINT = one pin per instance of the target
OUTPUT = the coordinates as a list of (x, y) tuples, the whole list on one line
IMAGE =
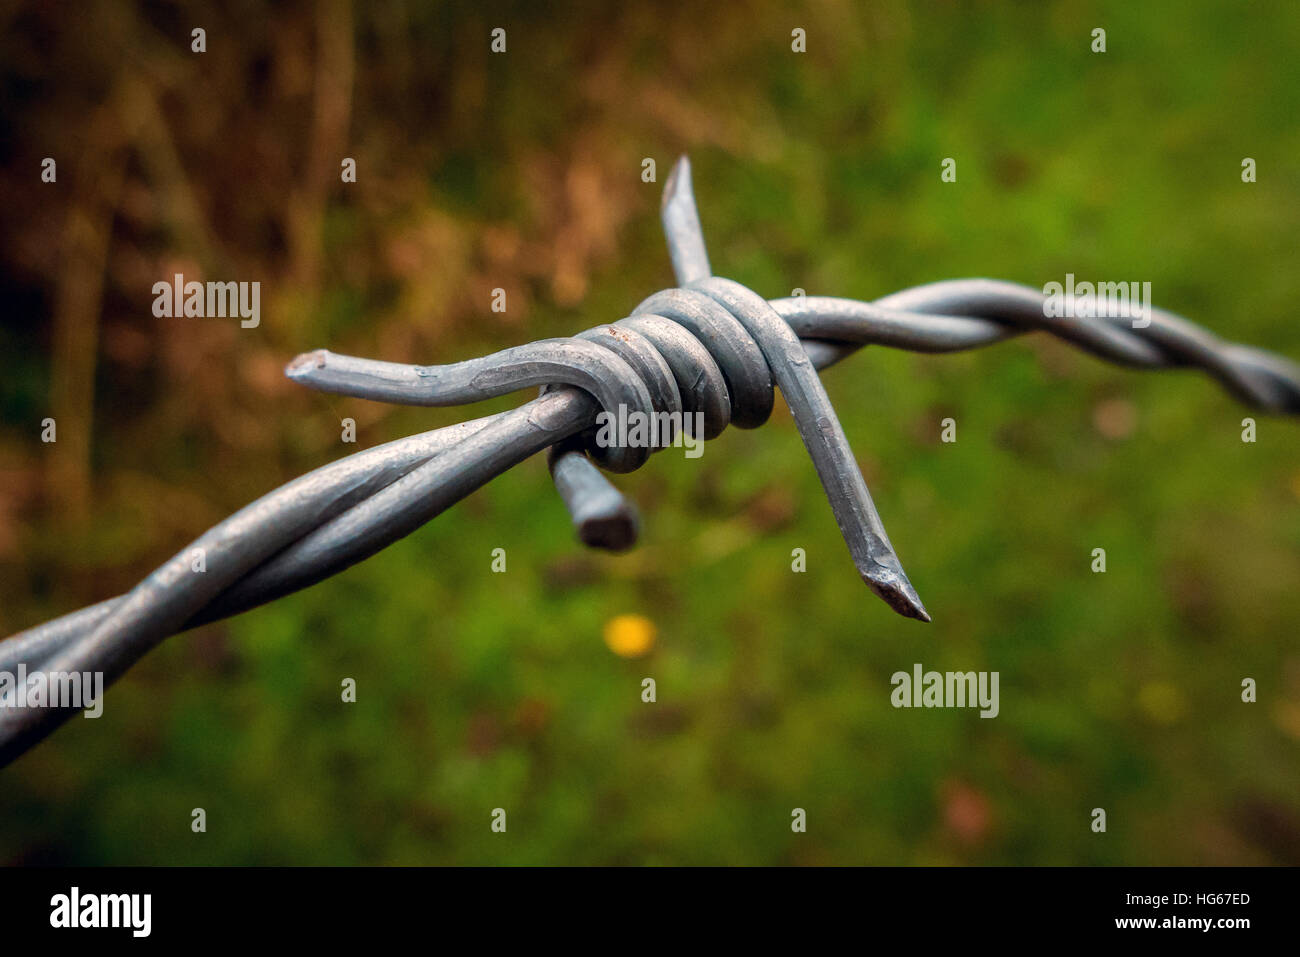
[(629, 636)]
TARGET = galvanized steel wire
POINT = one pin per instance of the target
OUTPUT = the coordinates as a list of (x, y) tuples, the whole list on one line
[(710, 346)]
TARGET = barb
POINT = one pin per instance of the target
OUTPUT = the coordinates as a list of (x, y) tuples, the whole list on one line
[(710, 347)]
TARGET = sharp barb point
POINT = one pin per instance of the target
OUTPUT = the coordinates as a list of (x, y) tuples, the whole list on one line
[(897, 592)]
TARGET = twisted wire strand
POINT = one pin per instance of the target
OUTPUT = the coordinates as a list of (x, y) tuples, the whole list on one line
[(709, 346)]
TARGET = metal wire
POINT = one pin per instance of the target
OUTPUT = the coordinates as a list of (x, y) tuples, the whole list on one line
[(710, 346)]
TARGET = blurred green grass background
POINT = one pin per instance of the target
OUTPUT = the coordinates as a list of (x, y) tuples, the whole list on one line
[(522, 171)]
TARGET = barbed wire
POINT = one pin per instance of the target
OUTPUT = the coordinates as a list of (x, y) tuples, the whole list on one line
[(710, 349)]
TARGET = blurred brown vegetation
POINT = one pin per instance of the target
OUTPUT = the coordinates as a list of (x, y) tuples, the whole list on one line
[(225, 165)]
